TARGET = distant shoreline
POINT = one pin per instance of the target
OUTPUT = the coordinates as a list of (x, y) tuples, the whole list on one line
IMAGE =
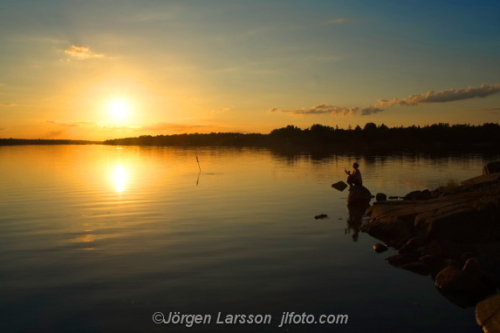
[(436, 137), (18, 142)]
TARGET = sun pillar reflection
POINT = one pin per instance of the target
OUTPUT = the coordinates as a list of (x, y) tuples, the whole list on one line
[(120, 178)]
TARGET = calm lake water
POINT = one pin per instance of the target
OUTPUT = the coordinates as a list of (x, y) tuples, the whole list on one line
[(99, 238)]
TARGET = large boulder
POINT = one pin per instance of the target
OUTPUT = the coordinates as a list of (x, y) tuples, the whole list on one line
[(453, 278), (491, 167), (392, 231), (487, 314), (359, 195), (466, 225)]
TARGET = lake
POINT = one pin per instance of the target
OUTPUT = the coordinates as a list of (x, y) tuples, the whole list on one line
[(100, 238)]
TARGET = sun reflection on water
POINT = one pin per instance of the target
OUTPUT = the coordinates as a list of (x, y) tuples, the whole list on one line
[(120, 178)]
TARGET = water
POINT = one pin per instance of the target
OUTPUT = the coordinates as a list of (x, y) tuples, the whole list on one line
[(98, 238)]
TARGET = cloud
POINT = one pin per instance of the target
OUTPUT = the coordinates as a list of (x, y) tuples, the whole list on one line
[(321, 109), (154, 16), (494, 110), (53, 134), (7, 104), (221, 110), (82, 53), (117, 128), (339, 20), (69, 123), (173, 127), (442, 96), (488, 109), (370, 110)]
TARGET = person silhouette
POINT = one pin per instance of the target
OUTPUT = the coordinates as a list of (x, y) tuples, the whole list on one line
[(354, 178)]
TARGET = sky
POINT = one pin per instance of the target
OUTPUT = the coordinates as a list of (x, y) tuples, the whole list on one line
[(104, 69)]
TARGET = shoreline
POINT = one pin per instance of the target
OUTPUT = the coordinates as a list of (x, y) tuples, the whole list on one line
[(450, 234)]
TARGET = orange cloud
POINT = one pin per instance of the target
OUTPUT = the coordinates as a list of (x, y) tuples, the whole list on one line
[(53, 134), (82, 53), (70, 123), (7, 104), (173, 127), (443, 96), (336, 111)]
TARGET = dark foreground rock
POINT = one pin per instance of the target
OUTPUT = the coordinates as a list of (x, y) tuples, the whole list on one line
[(451, 234), (359, 195), (488, 314)]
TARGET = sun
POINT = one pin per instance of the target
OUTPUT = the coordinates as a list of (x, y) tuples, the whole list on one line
[(119, 109)]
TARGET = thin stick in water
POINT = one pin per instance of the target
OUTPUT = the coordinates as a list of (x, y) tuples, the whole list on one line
[(198, 163)]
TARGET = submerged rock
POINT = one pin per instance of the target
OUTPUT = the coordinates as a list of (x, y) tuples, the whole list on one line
[(321, 216)]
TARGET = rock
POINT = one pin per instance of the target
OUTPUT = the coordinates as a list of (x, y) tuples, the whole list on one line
[(444, 248), (418, 195), (487, 314), (392, 231), (321, 216), (436, 193), (339, 186), (359, 195), (466, 256), (412, 195), (468, 298), (453, 278), (399, 260), (379, 248), (434, 262), (492, 167), (452, 235), (474, 266), (465, 224), (418, 267), (412, 245)]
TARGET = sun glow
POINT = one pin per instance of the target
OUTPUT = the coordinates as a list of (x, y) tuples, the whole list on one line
[(119, 109)]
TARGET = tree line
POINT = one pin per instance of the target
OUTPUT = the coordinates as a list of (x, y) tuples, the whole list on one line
[(13, 141), (441, 135)]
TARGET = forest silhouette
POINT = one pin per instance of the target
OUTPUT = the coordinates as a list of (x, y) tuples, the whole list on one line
[(371, 136), (442, 136)]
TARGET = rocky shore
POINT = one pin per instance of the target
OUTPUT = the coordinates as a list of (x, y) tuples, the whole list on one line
[(451, 234)]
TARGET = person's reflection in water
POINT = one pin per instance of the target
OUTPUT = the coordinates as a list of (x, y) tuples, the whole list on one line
[(356, 213)]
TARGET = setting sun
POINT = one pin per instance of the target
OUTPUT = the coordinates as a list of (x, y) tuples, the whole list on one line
[(119, 109)]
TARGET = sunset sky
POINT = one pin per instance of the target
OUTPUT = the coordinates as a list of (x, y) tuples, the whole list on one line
[(103, 69)]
